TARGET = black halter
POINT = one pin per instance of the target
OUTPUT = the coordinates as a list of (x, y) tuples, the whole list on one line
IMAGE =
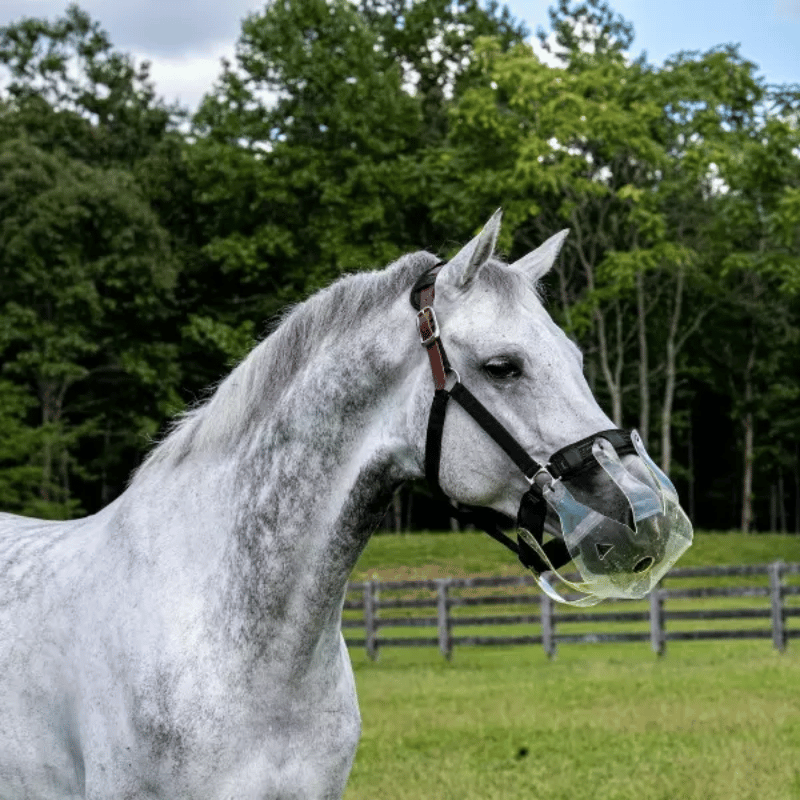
[(567, 462)]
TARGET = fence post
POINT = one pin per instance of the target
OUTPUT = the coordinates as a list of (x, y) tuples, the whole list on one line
[(443, 617), (548, 626), (776, 603), (658, 639), (371, 618)]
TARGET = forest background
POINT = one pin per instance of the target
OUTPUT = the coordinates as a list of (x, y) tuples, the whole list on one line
[(144, 250)]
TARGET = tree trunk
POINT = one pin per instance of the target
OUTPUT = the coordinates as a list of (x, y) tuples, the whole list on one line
[(409, 506), (666, 410), (670, 372), (691, 468), (773, 507), (51, 397), (747, 478), (397, 511), (644, 367), (614, 389), (603, 345), (748, 422), (796, 489)]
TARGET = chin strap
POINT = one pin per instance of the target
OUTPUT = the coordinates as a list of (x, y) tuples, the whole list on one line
[(533, 508)]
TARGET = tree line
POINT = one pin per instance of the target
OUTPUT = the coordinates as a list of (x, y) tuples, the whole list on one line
[(143, 249)]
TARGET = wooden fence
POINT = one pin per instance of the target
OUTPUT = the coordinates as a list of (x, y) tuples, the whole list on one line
[(736, 602)]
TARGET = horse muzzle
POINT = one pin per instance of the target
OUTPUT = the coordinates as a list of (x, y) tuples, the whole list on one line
[(617, 555)]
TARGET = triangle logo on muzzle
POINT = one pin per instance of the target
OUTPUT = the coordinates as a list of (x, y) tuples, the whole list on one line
[(603, 550)]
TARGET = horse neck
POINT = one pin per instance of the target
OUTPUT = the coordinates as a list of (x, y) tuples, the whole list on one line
[(319, 474), (276, 520)]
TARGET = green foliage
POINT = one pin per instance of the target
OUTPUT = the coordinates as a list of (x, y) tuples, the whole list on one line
[(19, 474), (139, 261), (587, 29), (314, 141), (104, 112), (234, 343), (85, 267), (321, 160)]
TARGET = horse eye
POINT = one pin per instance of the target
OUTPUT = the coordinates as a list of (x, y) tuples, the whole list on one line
[(502, 369)]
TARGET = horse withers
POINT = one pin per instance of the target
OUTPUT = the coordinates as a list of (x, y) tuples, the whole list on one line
[(185, 641)]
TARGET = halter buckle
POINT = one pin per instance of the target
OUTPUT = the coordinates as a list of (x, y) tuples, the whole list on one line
[(428, 326)]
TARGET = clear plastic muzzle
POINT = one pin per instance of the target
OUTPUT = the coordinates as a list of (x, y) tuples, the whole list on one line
[(614, 559)]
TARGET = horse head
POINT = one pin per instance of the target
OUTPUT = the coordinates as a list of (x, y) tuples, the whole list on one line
[(527, 439)]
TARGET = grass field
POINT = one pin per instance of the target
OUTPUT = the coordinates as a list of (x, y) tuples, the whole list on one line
[(711, 720), (434, 555)]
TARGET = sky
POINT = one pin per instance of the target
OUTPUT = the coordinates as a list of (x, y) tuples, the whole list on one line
[(184, 40)]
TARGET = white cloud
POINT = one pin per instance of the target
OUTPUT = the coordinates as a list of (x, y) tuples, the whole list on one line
[(552, 58), (166, 28), (186, 77)]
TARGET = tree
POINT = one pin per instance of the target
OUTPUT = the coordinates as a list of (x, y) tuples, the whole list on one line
[(324, 122), (85, 266), (321, 166), (69, 89), (755, 238), (433, 42), (88, 329), (631, 159), (21, 472), (564, 147)]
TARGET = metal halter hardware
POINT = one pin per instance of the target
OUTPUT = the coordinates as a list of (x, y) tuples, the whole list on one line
[(567, 462)]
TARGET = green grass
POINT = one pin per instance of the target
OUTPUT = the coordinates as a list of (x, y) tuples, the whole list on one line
[(710, 720), (604, 722)]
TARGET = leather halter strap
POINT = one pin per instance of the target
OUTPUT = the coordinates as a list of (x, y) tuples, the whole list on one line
[(422, 300)]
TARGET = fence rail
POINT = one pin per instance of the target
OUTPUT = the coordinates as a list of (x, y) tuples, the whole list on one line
[(458, 611)]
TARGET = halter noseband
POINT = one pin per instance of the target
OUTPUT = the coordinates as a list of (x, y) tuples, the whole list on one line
[(567, 462)]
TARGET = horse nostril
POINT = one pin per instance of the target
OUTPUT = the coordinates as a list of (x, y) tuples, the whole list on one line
[(643, 564)]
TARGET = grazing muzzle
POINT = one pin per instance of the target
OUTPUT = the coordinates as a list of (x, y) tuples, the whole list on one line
[(615, 558), (617, 554)]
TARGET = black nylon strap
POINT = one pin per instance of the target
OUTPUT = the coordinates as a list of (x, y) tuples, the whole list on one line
[(577, 458), (480, 517), (531, 517), (494, 428), (433, 439)]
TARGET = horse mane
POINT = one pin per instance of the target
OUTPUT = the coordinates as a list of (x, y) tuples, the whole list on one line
[(256, 382), (258, 379)]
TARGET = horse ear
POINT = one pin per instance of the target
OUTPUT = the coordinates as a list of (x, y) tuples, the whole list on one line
[(462, 268), (538, 263)]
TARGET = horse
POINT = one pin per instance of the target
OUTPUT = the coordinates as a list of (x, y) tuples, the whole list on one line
[(185, 641)]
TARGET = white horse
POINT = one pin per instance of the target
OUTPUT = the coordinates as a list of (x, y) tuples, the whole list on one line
[(185, 641)]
